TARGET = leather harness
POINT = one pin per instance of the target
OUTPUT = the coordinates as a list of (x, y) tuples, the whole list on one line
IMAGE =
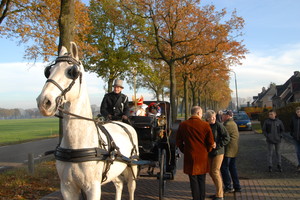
[(108, 154)]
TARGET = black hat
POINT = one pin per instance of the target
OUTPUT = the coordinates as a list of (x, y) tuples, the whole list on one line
[(229, 112)]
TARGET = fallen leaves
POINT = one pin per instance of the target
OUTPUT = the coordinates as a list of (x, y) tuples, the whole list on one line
[(17, 183)]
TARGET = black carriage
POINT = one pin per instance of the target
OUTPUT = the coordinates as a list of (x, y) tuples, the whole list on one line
[(156, 137)]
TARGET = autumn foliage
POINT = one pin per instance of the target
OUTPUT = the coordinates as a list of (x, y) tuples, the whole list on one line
[(35, 23), (193, 40), (194, 44), (18, 184)]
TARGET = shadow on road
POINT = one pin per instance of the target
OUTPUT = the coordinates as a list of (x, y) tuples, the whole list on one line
[(252, 159)]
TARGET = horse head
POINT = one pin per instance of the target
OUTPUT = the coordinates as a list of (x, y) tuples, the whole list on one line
[(63, 83)]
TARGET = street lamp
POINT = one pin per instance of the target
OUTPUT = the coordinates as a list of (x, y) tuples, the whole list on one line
[(236, 92), (134, 71)]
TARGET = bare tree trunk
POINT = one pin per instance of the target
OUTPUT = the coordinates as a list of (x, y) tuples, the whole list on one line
[(194, 97), (66, 23), (66, 34), (173, 91), (186, 98), (199, 97), (110, 85)]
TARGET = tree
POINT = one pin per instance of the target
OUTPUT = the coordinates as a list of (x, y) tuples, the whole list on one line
[(35, 23), (176, 25), (9, 7), (113, 56), (155, 78), (66, 24)]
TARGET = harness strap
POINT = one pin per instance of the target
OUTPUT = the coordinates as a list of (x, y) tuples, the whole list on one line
[(133, 153), (55, 83), (111, 145), (130, 137), (80, 155), (67, 58), (113, 150), (99, 154)]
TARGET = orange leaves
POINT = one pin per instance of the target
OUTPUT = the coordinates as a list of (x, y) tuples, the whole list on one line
[(18, 184), (36, 21)]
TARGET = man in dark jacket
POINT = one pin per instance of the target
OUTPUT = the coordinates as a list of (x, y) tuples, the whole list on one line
[(295, 133), (114, 105), (273, 129), (194, 138)]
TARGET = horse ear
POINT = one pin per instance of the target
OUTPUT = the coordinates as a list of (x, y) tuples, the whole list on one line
[(74, 50), (63, 51)]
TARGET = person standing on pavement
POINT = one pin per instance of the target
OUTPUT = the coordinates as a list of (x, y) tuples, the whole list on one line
[(295, 133), (228, 167), (219, 116), (114, 105), (215, 157), (194, 138), (273, 129)]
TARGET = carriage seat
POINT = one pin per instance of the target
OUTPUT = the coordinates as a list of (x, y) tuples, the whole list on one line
[(146, 128), (143, 121)]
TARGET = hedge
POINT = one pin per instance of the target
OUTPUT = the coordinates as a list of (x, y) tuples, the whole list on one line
[(284, 114)]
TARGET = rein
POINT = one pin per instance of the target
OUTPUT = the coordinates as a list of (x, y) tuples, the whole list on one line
[(78, 116), (89, 154)]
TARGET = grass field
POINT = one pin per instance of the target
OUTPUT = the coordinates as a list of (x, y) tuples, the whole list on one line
[(20, 130)]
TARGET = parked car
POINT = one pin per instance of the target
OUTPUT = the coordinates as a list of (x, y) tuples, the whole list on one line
[(243, 121)]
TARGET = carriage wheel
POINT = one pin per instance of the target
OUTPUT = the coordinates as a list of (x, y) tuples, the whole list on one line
[(162, 180)]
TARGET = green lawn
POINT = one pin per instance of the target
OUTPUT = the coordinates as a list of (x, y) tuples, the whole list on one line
[(20, 130)]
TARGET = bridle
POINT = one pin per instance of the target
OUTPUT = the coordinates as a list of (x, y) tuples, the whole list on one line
[(87, 154), (74, 73)]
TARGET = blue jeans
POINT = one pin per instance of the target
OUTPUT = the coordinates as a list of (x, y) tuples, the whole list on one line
[(197, 183), (229, 173), (297, 147)]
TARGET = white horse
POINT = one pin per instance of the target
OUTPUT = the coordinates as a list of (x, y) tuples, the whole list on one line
[(66, 86)]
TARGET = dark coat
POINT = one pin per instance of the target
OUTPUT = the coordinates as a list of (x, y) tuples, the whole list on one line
[(295, 127), (111, 106), (232, 148), (273, 130), (195, 139), (221, 137)]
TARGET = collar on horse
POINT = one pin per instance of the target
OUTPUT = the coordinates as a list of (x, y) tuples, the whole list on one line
[(99, 154)]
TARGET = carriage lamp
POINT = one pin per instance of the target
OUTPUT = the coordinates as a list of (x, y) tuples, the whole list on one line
[(161, 121), (161, 133)]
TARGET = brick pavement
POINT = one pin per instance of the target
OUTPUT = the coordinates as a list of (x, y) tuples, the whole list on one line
[(260, 186)]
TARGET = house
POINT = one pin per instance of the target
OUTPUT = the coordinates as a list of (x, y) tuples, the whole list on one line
[(264, 99), (288, 92)]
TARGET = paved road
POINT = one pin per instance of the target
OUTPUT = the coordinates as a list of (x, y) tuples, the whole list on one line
[(14, 155), (257, 183)]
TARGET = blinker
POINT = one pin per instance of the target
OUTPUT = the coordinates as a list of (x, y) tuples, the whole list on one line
[(47, 71), (73, 72)]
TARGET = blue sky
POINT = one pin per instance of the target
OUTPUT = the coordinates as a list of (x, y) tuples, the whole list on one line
[(271, 34)]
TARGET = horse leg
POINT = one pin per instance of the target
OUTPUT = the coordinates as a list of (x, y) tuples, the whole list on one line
[(69, 192), (94, 193), (119, 183), (131, 180)]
